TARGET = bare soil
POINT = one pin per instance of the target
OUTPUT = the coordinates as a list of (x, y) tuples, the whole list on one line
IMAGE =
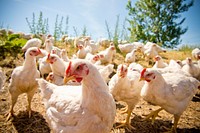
[(21, 123)]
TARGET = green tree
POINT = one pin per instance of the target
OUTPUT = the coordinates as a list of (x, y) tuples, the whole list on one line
[(158, 21)]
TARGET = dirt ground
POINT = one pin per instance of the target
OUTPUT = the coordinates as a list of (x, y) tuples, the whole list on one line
[(21, 123)]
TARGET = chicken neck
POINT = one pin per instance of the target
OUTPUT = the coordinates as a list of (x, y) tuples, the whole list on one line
[(30, 62)]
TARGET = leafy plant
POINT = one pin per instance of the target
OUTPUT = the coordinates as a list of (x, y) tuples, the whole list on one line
[(11, 46), (116, 35), (108, 30), (58, 29), (84, 31), (41, 27)]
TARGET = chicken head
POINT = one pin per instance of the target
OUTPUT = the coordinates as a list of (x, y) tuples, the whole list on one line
[(157, 58), (34, 51), (96, 58), (189, 60), (147, 76), (76, 71), (122, 70), (51, 58)]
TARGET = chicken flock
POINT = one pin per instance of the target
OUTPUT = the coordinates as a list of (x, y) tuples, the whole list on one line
[(79, 92)]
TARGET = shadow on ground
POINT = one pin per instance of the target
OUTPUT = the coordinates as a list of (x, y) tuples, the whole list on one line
[(35, 124)]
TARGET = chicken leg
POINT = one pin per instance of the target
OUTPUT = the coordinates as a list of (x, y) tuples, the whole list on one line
[(126, 123), (30, 96), (174, 127), (176, 119), (13, 100), (153, 115)]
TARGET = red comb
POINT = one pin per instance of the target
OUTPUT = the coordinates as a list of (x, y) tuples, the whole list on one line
[(48, 55), (39, 50), (69, 67), (143, 71), (122, 68)]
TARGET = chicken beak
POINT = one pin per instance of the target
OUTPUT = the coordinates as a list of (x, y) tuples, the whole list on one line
[(120, 75), (41, 53), (141, 78), (67, 79), (47, 60)]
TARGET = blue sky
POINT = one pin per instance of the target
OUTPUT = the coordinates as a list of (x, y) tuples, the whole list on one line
[(89, 13)]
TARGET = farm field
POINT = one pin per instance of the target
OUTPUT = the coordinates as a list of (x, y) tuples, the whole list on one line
[(189, 122)]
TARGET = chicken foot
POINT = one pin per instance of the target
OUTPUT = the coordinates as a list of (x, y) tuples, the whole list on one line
[(174, 127), (126, 123), (153, 114)]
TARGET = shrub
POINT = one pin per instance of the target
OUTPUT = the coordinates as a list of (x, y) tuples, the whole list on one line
[(11, 46)]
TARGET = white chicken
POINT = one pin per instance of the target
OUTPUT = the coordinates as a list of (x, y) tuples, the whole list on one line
[(48, 45), (130, 57), (50, 48), (23, 79), (105, 71), (152, 50), (92, 47), (44, 67), (196, 53), (174, 64), (92, 58), (135, 67), (171, 91), (64, 55), (107, 55), (126, 48), (191, 69), (57, 65), (55, 79), (126, 88), (82, 52), (159, 62), (58, 80), (88, 108)]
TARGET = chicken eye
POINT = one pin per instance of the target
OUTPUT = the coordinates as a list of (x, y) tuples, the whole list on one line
[(78, 68), (149, 74)]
